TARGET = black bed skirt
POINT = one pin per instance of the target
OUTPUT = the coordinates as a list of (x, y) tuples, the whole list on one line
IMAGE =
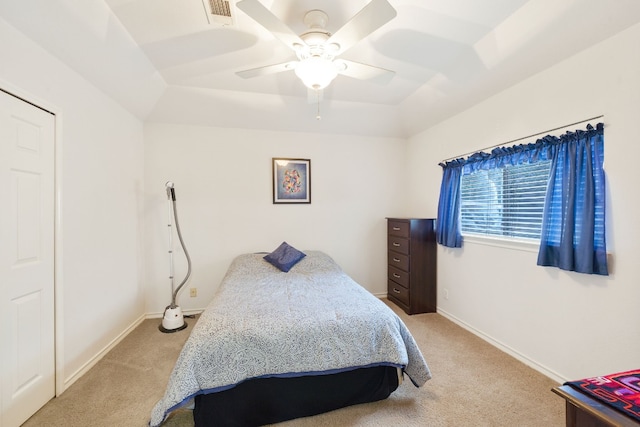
[(270, 400)]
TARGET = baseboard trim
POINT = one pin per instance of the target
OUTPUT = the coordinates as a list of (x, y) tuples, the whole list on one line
[(510, 351), (95, 359)]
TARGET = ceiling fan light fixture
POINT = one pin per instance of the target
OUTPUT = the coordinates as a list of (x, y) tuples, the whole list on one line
[(316, 72)]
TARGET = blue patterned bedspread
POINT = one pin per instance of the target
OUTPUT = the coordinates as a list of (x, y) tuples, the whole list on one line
[(262, 322)]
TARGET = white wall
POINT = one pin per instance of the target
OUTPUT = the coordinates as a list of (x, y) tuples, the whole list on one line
[(100, 157), (224, 192), (568, 325)]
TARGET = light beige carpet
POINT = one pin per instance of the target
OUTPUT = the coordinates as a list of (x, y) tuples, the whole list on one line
[(474, 384)]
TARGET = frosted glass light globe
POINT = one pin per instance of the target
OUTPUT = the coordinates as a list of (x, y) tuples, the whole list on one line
[(316, 72)]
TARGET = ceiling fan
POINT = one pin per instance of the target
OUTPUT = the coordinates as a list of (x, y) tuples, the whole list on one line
[(317, 50)]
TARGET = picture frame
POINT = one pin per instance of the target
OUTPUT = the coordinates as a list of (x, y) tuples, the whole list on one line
[(291, 180)]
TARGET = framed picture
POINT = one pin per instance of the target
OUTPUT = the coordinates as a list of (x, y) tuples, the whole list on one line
[(291, 180)]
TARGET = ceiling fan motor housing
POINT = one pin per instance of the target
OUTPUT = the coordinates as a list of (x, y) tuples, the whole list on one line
[(316, 19), (317, 36)]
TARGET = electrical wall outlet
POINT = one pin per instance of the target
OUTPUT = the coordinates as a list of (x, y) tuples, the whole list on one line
[(193, 292)]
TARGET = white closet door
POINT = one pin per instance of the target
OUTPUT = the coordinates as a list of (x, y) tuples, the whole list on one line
[(27, 358)]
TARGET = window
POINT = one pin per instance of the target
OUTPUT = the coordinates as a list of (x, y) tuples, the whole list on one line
[(505, 202), (551, 191)]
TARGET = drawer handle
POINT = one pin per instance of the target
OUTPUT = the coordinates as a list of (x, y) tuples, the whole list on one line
[(396, 260), (396, 275), (396, 291), (396, 228), (396, 244)]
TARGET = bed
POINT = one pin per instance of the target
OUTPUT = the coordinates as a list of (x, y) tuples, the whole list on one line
[(273, 346)]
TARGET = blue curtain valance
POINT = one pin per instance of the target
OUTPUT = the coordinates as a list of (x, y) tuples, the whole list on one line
[(499, 157)]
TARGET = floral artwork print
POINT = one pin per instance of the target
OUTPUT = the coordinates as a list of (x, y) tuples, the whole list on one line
[(291, 180)]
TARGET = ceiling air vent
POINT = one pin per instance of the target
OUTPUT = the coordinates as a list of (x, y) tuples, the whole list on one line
[(218, 12)]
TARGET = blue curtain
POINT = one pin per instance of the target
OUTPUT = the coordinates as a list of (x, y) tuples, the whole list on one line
[(448, 231), (573, 226)]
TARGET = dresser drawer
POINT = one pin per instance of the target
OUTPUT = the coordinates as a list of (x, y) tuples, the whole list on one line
[(402, 294), (397, 228), (398, 244), (398, 276), (398, 260)]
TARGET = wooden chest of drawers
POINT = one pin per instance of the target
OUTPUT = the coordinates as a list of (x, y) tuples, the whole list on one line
[(411, 264)]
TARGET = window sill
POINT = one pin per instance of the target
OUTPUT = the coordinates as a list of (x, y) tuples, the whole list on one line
[(519, 245)]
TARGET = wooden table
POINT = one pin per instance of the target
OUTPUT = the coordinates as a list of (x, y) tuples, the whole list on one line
[(585, 411)]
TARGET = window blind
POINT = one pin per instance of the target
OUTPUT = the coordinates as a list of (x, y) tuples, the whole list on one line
[(506, 202)]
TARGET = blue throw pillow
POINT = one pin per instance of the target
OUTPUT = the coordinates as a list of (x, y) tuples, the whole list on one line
[(285, 257)]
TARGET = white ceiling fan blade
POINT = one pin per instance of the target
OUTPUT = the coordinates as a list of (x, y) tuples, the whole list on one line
[(269, 69), (371, 17), (268, 20), (364, 72)]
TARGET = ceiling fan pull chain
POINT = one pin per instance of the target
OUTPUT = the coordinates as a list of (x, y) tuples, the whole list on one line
[(318, 116)]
